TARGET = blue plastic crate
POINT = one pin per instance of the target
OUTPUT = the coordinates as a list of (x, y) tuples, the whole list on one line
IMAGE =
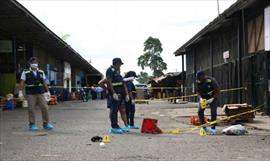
[(9, 105)]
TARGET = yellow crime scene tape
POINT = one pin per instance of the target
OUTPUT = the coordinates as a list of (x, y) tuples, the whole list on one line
[(151, 88), (136, 87), (188, 96), (182, 130), (68, 87)]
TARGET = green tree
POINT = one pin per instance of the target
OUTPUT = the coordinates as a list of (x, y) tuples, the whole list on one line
[(152, 57), (144, 78)]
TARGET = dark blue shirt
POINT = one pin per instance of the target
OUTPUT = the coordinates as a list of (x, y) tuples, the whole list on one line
[(206, 88), (130, 86), (115, 76)]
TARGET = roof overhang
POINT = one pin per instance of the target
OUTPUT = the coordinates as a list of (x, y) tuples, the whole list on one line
[(222, 19), (17, 22)]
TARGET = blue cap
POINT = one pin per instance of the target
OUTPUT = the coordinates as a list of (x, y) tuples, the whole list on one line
[(32, 59), (199, 74), (131, 74), (117, 60)]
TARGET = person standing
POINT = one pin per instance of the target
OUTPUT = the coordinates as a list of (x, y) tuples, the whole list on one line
[(36, 89), (103, 84), (130, 105), (208, 92), (118, 94)]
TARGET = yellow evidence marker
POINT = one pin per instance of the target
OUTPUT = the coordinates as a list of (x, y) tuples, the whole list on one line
[(203, 103), (106, 139)]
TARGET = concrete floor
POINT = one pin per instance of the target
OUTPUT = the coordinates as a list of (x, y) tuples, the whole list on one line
[(76, 123)]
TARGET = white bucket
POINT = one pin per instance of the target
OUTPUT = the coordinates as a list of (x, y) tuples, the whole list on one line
[(25, 104)]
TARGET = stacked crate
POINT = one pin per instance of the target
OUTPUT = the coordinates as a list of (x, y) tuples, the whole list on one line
[(233, 109)]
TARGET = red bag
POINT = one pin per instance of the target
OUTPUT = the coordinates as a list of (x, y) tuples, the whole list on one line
[(150, 126)]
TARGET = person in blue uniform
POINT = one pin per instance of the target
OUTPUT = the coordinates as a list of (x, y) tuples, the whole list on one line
[(130, 105), (208, 91), (33, 80), (103, 84), (118, 93)]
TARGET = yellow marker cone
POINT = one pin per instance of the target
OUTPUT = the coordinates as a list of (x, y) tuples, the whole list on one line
[(106, 139), (203, 132)]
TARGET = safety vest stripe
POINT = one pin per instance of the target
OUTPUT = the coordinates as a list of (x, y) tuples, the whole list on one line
[(33, 85), (117, 84)]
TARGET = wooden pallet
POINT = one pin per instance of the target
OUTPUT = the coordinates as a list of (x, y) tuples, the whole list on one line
[(233, 109)]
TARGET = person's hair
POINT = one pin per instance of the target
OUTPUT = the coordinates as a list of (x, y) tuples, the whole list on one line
[(32, 59)]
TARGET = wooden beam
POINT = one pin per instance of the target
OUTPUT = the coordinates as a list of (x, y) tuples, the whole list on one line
[(261, 28)]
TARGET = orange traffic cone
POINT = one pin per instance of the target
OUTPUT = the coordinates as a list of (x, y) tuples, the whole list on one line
[(195, 120)]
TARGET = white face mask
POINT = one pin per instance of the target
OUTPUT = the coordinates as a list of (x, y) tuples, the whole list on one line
[(34, 66)]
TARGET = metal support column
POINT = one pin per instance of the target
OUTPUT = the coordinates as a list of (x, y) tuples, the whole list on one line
[(195, 70), (182, 76), (211, 58), (267, 84), (14, 50)]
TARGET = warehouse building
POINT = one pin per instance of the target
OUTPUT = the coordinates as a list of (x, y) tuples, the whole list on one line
[(235, 49), (22, 36)]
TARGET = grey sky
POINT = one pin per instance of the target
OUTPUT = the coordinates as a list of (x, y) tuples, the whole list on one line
[(102, 30)]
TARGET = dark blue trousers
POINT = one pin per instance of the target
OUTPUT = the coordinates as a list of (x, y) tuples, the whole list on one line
[(130, 110), (114, 110), (213, 108)]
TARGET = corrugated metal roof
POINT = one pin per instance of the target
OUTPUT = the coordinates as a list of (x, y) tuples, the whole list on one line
[(215, 24), (168, 75), (17, 21)]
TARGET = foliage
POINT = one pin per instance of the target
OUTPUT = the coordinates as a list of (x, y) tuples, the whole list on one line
[(152, 57), (143, 78)]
